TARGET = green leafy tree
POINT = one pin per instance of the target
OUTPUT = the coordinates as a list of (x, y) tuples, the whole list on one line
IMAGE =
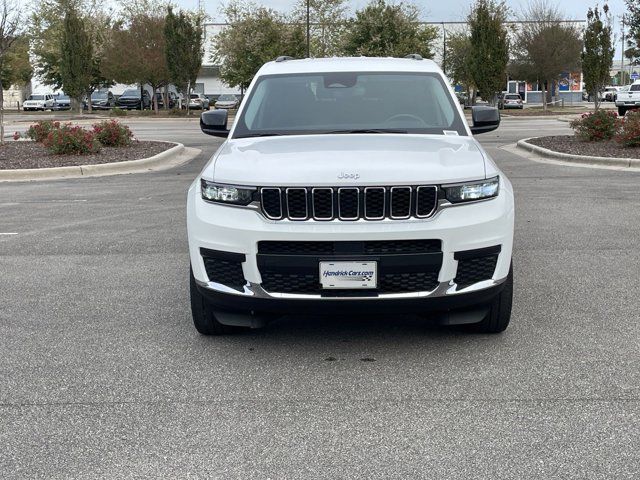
[(327, 20), (76, 57), (458, 59), (46, 34), (382, 30), (183, 37), (255, 35), (545, 47), (10, 29), (597, 52), (489, 52), (632, 21), (137, 50)]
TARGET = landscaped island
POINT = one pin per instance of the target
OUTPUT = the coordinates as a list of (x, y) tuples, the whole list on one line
[(53, 144)]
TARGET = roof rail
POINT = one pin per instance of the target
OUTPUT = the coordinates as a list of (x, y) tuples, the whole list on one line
[(414, 56), (283, 58)]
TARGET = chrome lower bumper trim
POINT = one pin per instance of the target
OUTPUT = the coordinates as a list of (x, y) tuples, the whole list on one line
[(444, 289)]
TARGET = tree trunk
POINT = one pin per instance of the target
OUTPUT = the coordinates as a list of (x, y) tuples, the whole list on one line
[(89, 106), (188, 96), (544, 96)]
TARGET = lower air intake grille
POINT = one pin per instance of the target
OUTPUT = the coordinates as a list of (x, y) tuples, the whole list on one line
[(227, 272), (474, 270)]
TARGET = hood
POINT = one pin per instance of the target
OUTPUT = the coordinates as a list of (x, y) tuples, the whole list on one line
[(347, 159)]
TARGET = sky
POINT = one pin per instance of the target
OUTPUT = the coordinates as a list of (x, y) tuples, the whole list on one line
[(440, 11)]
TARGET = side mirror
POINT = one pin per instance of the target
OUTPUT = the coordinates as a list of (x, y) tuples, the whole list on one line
[(485, 119), (214, 122)]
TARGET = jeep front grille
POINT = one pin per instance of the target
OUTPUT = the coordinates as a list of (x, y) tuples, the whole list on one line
[(348, 203)]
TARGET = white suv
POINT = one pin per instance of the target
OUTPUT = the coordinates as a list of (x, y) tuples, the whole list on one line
[(39, 101), (350, 186)]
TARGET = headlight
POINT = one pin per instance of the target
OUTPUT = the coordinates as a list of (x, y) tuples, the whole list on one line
[(215, 192), (468, 192)]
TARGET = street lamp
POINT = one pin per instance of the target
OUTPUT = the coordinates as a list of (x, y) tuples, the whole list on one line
[(308, 29)]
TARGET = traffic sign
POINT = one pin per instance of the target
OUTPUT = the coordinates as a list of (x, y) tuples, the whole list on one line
[(635, 76)]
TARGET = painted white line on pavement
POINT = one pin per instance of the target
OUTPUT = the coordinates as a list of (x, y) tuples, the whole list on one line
[(8, 233)]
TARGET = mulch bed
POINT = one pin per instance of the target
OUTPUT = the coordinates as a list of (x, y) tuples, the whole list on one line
[(573, 145), (15, 155)]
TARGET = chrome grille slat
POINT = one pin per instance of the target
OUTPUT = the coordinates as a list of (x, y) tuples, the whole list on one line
[(349, 203)]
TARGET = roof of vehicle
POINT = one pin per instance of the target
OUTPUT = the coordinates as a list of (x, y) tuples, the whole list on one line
[(349, 64)]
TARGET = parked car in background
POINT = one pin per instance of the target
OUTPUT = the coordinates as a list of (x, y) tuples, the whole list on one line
[(510, 100), (101, 100), (609, 94), (628, 99), (227, 101), (39, 101), (132, 99), (173, 99), (198, 101), (62, 101)]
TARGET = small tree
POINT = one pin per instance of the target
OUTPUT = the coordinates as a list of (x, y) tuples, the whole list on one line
[(76, 57), (10, 25), (489, 53), (255, 36), (545, 47), (597, 53), (327, 20), (632, 20), (383, 30), (458, 59), (183, 37)]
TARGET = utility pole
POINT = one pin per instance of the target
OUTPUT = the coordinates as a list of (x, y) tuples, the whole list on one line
[(622, 79), (308, 32)]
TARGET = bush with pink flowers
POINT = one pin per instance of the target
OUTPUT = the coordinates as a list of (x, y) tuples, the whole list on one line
[(112, 133), (40, 130), (71, 140), (596, 126)]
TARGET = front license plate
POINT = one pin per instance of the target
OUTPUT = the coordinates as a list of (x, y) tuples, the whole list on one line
[(349, 275)]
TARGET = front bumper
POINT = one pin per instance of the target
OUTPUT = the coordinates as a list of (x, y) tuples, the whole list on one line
[(459, 228)]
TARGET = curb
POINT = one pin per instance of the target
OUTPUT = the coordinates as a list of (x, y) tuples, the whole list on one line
[(172, 157), (583, 159)]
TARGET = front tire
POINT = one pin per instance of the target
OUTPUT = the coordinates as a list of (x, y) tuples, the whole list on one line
[(203, 317), (499, 316)]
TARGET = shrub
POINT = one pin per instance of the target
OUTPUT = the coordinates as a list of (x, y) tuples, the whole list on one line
[(597, 126), (629, 132), (118, 112), (112, 133), (71, 140), (39, 131)]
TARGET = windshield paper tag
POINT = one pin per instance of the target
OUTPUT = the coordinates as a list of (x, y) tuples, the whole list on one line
[(450, 132)]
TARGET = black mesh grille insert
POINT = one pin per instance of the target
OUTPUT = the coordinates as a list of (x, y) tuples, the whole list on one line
[(278, 282), (400, 202), (474, 270), (408, 282), (323, 203), (374, 203), (348, 199), (374, 247), (226, 272), (426, 201), (297, 203), (382, 247), (272, 202)]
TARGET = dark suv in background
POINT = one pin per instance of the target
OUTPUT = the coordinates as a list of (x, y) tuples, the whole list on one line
[(133, 99)]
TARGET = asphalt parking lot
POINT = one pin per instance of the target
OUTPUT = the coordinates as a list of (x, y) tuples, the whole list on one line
[(102, 374)]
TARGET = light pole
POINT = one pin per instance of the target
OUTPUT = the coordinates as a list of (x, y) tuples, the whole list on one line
[(308, 32)]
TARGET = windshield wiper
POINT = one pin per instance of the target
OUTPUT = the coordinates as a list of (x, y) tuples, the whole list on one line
[(370, 130)]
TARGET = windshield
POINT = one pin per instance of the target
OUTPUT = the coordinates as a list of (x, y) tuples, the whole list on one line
[(195, 95), (62, 97), (349, 102), (227, 98), (36, 97), (132, 92), (99, 96)]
